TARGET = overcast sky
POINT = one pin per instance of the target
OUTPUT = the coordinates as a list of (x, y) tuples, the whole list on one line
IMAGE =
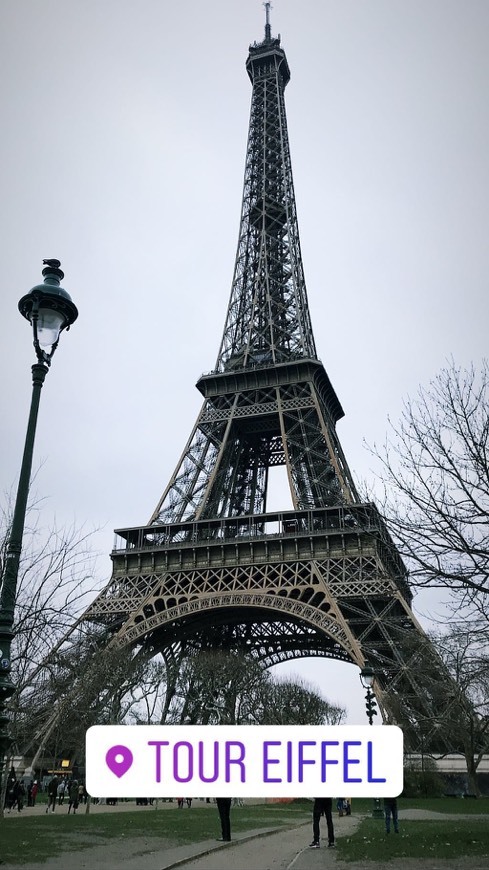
[(124, 130)]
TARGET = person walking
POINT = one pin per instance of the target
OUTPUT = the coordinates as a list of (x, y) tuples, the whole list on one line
[(224, 809), (390, 809), (11, 788), (19, 794), (73, 796), (322, 806), (52, 794), (61, 792), (35, 789)]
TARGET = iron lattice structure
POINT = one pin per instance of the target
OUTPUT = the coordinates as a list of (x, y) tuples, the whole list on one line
[(212, 569)]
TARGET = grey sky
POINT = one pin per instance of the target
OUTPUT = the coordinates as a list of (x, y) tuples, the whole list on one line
[(122, 154)]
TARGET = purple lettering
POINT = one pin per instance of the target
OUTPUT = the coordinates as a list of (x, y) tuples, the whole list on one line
[(370, 776), (215, 773), (347, 760), (228, 760), (289, 760), (267, 760), (190, 761), (324, 760), (158, 744), (302, 760)]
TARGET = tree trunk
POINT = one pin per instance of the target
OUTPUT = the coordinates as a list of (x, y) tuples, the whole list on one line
[(472, 774)]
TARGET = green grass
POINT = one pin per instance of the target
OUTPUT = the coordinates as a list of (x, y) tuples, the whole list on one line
[(36, 838), (416, 839)]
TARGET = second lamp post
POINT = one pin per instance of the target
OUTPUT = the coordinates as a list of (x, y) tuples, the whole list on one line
[(367, 677)]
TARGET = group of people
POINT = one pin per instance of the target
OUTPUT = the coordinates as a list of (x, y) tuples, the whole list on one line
[(17, 792), (15, 795), (59, 790)]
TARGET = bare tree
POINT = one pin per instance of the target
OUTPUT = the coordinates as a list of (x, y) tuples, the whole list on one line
[(465, 652), (436, 477), (435, 472), (86, 683), (230, 688), (57, 576), (214, 687), (293, 701)]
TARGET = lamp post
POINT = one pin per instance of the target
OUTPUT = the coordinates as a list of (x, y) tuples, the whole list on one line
[(367, 677), (50, 310)]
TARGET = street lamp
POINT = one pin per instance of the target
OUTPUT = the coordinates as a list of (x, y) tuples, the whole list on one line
[(50, 310), (367, 677)]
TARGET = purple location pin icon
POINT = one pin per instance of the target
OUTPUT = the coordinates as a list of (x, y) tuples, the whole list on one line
[(118, 760)]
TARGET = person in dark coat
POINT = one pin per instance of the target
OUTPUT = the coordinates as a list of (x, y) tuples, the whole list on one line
[(73, 795), (224, 808), (390, 809), (52, 794), (10, 792), (322, 807), (19, 794)]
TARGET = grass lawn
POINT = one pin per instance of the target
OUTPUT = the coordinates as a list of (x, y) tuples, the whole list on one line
[(35, 838), (424, 838)]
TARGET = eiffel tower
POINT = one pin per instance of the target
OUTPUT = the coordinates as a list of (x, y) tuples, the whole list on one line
[(213, 569)]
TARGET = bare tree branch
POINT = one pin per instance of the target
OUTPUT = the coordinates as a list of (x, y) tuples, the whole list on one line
[(435, 473)]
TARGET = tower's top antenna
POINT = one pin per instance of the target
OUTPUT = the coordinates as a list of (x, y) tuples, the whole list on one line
[(268, 27)]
